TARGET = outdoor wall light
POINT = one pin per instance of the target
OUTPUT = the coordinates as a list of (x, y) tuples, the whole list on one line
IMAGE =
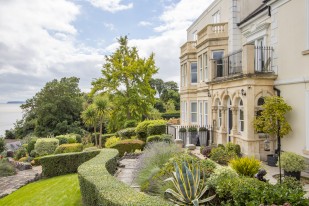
[(243, 92)]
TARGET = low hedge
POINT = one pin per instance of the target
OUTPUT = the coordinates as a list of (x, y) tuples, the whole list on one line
[(159, 138), (98, 186), (61, 164), (142, 128), (156, 128), (69, 139), (169, 115), (67, 148), (128, 145), (46, 146)]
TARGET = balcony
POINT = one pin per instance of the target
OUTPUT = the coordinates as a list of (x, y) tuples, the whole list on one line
[(212, 31), (188, 47), (250, 60)]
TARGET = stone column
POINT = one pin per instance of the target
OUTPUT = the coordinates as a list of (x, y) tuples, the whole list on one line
[(224, 119), (234, 127)]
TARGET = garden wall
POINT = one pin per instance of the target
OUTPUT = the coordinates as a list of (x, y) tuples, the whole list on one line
[(99, 187)]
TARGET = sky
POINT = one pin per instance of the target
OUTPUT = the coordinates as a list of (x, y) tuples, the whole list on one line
[(45, 40)]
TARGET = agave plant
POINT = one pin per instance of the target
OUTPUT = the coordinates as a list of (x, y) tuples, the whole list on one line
[(189, 185)]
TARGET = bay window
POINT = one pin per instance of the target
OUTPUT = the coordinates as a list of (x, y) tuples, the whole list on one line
[(193, 69)]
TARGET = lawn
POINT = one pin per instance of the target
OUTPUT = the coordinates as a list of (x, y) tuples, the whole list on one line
[(61, 190)]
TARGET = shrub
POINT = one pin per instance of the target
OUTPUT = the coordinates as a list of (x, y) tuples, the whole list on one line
[(127, 133), (230, 147), (221, 155), (291, 162), (67, 148), (128, 146), (104, 137), (46, 146), (130, 123), (220, 174), (90, 149), (202, 129), (61, 164), (142, 128), (247, 166), (69, 139), (25, 159), (9, 134), (31, 144), (20, 152), (206, 151), (6, 168), (2, 145), (182, 129), (192, 129), (99, 187), (156, 128), (155, 155), (250, 191), (159, 138), (111, 141)]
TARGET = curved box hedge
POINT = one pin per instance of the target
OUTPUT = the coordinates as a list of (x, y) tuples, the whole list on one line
[(99, 187)]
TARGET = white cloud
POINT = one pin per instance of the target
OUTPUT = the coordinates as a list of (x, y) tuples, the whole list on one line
[(175, 19), (37, 44), (111, 5), (110, 26), (144, 23)]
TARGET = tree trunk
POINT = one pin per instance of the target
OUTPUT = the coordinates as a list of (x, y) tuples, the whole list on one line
[(95, 136), (100, 135)]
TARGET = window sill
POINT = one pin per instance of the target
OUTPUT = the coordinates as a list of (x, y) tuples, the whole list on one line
[(306, 52)]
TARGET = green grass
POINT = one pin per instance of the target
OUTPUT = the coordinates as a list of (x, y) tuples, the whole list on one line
[(61, 190)]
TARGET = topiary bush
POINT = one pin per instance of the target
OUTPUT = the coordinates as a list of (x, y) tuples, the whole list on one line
[(31, 144), (127, 133), (159, 138), (69, 138), (156, 128), (169, 115), (98, 186), (61, 164), (46, 146), (221, 155), (111, 141), (230, 147), (67, 148), (291, 162), (246, 166), (128, 146), (20, 152), (130, 123)]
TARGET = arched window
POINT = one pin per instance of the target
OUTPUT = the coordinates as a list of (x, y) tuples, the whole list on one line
[(241, 122), (260, 102)]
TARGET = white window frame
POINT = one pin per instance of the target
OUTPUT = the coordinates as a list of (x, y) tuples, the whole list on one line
[(216, 17), (241, 109), (200, 111), (193, 113), (200, 65), (219, 115), (191, 73), (205, 113), (218, 59), (205, 64)]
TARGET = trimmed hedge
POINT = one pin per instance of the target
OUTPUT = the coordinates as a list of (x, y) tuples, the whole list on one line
[(169, 115), (62, 164), (127, 133), (159, 138), (67, 148), (98, 186), (31, 144), (142, 128), (128, 145), (46, 146), (130, 123), (156, 128)]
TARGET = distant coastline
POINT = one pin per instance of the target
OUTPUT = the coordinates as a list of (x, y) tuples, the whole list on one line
[(15, 102)]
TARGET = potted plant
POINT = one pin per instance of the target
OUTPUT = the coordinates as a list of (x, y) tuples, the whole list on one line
[(193, 137), (183, 135), (292, 164), (203, 136), (273, 122)]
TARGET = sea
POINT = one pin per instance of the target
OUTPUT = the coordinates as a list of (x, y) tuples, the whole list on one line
[(9, 113)]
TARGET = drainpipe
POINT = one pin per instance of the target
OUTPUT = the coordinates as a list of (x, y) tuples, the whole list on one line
[(279, 139)]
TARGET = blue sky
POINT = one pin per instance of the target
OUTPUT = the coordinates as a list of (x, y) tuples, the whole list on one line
[(44, 40)]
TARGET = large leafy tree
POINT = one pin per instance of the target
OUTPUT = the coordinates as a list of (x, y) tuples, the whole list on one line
[(126, 77), (55, 109)]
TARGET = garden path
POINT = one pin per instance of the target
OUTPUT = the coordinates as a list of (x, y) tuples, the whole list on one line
[(11, 183), (126, 173)]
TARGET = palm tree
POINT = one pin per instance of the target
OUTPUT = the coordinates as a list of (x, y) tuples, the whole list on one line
[(90, 118), (101, 105)]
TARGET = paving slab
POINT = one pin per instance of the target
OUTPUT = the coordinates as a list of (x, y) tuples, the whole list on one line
[(127, 174)]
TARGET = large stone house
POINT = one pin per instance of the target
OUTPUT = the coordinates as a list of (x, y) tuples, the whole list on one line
[(237, 52)]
